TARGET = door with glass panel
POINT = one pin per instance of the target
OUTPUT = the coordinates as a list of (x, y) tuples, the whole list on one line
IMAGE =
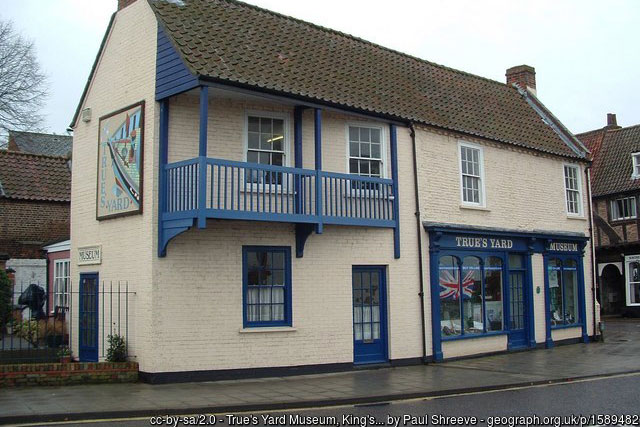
[(518, 316), (369, 314), (88, 318)]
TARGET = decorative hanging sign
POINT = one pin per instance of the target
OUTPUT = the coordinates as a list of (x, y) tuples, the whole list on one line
[(120, 149)]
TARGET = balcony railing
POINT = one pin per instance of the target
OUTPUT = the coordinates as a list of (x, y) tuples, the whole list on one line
[(250, 191)]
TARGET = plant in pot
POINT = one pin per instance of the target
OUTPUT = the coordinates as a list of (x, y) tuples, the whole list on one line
[(6, 307), (64, 353)]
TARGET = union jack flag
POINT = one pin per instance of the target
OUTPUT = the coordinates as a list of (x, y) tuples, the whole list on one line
[(449, 285)]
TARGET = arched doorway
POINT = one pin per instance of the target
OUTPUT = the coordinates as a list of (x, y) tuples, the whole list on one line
[(613, 296)]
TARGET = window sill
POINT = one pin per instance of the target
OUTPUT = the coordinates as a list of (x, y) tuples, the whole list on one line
[(576, 217), (475, 207), (474, 336), (267, 329), (573, 325)]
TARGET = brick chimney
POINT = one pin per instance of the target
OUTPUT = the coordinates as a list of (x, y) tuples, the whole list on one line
[(612, 121), (524, 76), (124, 3)]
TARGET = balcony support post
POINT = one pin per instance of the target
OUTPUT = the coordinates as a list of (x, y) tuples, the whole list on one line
[(202, 152), (318, 156), (302, 230), (163, 142), (393, 137), (297, 149)]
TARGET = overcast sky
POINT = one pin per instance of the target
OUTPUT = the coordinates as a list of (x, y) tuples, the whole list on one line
[(585, 52)]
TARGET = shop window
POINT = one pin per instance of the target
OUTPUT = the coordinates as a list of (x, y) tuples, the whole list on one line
[(563, 289), (267, 286), (633, 282), (470, 295)]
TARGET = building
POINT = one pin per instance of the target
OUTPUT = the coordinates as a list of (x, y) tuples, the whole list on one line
[(58, 276), (35, 192), (285, 198), (39, 143), (616, 193)]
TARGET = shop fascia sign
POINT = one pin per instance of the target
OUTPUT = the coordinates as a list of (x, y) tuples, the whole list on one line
[(483, 243), (563, 247)]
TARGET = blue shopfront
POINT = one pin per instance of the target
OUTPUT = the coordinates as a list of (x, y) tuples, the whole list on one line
[(481, 284)]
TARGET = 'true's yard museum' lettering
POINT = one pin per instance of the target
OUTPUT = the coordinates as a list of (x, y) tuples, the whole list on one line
[(483, 242)]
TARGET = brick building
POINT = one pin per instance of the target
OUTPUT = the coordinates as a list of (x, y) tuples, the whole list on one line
[(35, 192), (286, 198), (616, 194)]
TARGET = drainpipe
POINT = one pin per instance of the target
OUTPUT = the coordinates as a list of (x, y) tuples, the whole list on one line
[(594, 288), (419, 230)]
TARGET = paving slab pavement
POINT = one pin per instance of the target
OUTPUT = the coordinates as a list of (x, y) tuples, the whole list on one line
[(617, 355)]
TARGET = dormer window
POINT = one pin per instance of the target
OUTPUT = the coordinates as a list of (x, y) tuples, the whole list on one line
[(636, 165)]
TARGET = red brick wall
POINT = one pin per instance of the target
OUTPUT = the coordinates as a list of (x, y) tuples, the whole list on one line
[(25, 226), (67, 373)]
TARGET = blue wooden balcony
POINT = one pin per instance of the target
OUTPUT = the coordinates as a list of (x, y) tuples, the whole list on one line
[(251, 191), (194, 190), (202, 188)]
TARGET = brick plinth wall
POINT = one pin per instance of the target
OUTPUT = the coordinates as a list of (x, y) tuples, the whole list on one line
[(67, 373)]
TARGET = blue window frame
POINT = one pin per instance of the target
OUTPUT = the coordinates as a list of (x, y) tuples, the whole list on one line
[(471, 294), (266, 289), (564, 291)]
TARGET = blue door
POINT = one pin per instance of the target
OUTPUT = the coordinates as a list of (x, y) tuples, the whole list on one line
[(88, 318), (369, 314), (518, 317)]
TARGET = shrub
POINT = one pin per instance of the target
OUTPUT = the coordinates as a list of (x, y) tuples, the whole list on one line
[(117, 351), (27, 329)]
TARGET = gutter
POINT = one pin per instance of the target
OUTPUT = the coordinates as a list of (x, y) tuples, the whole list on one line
[(419, 231), (594, 287), (565, 135)]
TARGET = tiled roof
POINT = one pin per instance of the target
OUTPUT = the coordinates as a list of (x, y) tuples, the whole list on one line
[(34, 177), (40, 143), (612, 162), (231, 42), (593, 141)]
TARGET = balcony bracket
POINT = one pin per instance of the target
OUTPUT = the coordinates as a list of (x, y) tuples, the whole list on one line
[(169, 230), (303, 231)]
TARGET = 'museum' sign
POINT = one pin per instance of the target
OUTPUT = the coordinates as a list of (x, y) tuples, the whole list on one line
[(563, 247), (90, 255), (120, 149)]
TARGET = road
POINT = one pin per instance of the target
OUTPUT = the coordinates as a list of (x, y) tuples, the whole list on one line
[(611, 395)]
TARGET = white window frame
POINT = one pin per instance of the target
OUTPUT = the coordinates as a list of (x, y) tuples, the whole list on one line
[(383, 145), (635, 161), (580, 213), (613, 204), (286, 144), (481, 188), (627, 280), (57, 293)]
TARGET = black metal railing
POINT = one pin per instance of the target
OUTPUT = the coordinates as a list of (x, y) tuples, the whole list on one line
[(43, 326)]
